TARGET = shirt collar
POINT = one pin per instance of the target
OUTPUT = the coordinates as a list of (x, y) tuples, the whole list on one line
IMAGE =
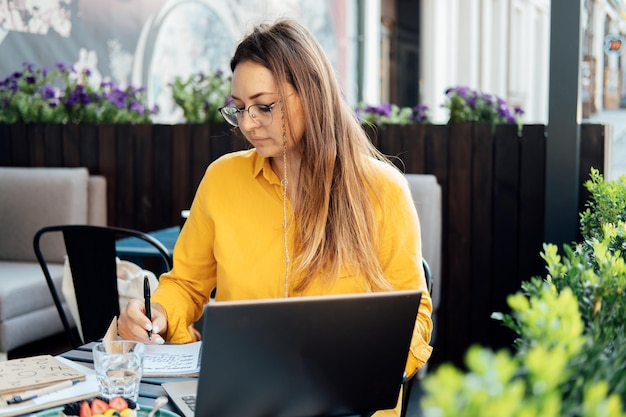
[(263, 166)]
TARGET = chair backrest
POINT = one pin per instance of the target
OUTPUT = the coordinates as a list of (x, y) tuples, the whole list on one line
[(91, 255), (428, 275), (426, 193)]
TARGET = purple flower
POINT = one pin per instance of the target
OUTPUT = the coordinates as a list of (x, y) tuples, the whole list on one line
[(503, 111), (136, 107), (10, 84), (47, 92), (463, 91), (420, 114), (469, 105), (117, 98), (78, 96), (383, 110)]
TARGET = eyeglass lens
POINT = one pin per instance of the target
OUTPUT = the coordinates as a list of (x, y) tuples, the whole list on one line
[(260, 114)]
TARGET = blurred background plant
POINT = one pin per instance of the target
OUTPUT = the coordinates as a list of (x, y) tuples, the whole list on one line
[(387, 113), (569, 355), (201, 95), (64, 95), (467, 105)]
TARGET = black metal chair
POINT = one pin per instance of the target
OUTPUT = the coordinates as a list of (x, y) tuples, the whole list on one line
[(407, 385), (92, 258)]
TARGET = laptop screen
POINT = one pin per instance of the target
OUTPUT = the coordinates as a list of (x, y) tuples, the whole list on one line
[(305, 356)]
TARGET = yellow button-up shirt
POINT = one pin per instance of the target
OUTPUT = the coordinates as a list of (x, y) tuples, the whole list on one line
[(233, 241)]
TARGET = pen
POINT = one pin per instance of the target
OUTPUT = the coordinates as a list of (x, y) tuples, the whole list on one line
[(32, 394), (146, 297)]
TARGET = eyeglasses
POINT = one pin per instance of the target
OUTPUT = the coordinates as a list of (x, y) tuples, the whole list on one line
[(260, 114)]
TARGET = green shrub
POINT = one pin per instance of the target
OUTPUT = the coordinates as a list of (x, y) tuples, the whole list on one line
[(467, 105), (571, 326), (201, 95)]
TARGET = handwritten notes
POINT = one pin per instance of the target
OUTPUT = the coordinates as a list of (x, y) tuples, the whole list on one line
[(34, 372), (172, 360)]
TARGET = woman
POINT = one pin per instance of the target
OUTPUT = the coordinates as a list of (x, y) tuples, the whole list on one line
[(313, 209)]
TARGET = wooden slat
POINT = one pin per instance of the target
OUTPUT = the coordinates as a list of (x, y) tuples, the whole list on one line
[(181, 189), (414, 153), (391, 143), (5, 145), (125, 173), (457, 253), (505, 227), (481, 272), (162, 187), (89, 149), (37, 150), (52, 145), (20, 157), (71, 143), (143, 163), (592, 138), (201, 147), (532, 202), (436, 163), (107, 162)]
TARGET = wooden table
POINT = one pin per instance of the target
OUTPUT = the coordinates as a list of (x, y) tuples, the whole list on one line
[(149, 389)]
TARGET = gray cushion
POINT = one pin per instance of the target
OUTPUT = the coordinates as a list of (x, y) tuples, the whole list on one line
[(27, 328), (36, 197), (23, 287)]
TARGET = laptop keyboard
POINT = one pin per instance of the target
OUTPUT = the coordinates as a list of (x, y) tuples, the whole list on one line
[(190, 400)]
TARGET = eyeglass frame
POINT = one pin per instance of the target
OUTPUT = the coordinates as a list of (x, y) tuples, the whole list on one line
[(268, 107)]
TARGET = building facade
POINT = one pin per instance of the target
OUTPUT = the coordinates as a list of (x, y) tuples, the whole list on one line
[(405, 52)]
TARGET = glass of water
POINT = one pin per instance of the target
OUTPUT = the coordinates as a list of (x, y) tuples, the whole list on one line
[(119, 366)]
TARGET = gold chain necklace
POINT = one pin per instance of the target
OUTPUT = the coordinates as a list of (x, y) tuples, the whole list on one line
[(284, 183)]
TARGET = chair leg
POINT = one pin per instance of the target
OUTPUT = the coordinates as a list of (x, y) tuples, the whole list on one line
[(406, 393)]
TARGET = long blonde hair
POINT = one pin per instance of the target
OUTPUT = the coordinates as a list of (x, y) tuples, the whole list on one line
[(335, 220)]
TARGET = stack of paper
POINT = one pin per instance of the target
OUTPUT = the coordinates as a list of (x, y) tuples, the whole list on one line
[(87, 388), (33, 372)]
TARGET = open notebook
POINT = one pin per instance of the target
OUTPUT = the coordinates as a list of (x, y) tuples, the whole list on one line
[(303, 356)]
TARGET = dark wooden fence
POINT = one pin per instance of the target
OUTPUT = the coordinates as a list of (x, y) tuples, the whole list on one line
[(493, 183)]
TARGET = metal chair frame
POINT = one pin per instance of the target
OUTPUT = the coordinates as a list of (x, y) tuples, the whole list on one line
[(92, 258), (407, 384)]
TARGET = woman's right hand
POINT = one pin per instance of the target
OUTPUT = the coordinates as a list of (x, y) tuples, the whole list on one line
[(133, 324)]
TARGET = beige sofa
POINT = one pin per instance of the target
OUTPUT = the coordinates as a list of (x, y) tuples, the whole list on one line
[(30, 199)]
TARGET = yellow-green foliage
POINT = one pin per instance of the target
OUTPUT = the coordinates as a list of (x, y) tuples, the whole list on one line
[(570, 354)]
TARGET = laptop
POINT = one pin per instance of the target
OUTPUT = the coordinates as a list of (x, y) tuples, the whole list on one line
[(338, 355)]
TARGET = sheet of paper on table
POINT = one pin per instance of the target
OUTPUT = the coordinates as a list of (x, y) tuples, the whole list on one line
[(172, 360), (82, 390)]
